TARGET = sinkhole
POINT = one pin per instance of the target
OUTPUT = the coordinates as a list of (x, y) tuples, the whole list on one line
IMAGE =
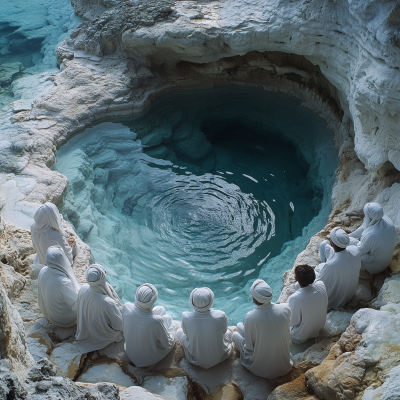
[(207, 187)]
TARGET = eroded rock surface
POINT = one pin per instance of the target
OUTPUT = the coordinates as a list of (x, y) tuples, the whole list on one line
[(340, 58)]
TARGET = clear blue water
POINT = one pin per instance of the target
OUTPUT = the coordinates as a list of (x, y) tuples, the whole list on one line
[(30, 32), (206, 188)]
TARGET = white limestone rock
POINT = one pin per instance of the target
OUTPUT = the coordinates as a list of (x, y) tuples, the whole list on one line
[(314, 355), (253, 387), (336, 323), (389, 295), (136, 393), (390, 390), (167, 388), (210, 379), (365, 353), (67, 359), (106, 373), (38, 341)]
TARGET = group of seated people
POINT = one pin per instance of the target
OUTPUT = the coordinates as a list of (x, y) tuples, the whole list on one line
[(264, 338)]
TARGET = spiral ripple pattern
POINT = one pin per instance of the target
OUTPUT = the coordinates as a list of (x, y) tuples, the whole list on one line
[(201, 190)]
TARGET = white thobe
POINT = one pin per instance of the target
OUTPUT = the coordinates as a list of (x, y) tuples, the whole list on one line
[(308, 308), (50, 237), (149, 334), (376, 245), (57, 298), (205, 337), (340, 275), (99, 320), (265, 346)]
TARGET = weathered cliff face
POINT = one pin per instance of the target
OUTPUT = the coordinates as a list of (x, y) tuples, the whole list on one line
[(341, 58)]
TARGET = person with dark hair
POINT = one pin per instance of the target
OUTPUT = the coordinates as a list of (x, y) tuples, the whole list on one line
[(308, 305)]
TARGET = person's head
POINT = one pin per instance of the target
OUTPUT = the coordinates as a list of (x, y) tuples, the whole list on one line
[(55, 257), (146, 296), (57, 261), (339, 239), (97, 279), (261, 292), (47, 216), (201, 299), (304, 274), (373, 213)]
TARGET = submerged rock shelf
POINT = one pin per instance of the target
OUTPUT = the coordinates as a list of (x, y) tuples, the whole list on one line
[(339, 59)]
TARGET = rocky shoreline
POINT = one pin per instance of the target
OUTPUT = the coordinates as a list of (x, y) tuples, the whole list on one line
[(335, 57)]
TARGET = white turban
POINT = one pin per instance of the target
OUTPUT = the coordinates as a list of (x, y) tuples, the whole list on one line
[(48, 216), (261, 291), (58, 262), (146, 296), (96, 278), (339, 237), (201, 299), (373, 214)]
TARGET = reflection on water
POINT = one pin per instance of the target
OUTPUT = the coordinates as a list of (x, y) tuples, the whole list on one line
[(187, 205)]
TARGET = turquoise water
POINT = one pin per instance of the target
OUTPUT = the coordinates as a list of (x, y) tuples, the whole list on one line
[(30, 32), (207, 188)]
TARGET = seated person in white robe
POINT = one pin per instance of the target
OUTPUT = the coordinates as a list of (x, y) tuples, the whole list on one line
[(340, 268), (377, 241), (58, 289), (47, 231), (264, 340), (99, 312), (149, 334), (308, 305), (204, 333)]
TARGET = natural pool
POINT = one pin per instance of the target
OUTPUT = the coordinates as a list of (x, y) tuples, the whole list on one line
[(206, 188)]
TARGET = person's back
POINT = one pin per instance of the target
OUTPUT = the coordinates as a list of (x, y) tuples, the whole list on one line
[(340, 275), (99, 317), (380, 244), (377, 239), (270, 340), (148, 332), (264, 339), (204, 333), (308, 305), (47, 231), (57, 292)]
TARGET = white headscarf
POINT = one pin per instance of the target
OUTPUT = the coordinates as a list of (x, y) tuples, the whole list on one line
[(58, 263), (201, 299), (373, 213), (146, 296), (374, 221), (96, 278), (261, 291), (340, 237), (48, 216)]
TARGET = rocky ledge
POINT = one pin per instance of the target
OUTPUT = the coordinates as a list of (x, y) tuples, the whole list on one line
[(340, 58)]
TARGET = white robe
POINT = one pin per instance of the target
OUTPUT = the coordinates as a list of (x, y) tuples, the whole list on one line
[(42, 240), (265, 346), (205, 337), (99, 320), (57, 297), (308, 308), (376, 245), (340, 275), (149, 334)]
